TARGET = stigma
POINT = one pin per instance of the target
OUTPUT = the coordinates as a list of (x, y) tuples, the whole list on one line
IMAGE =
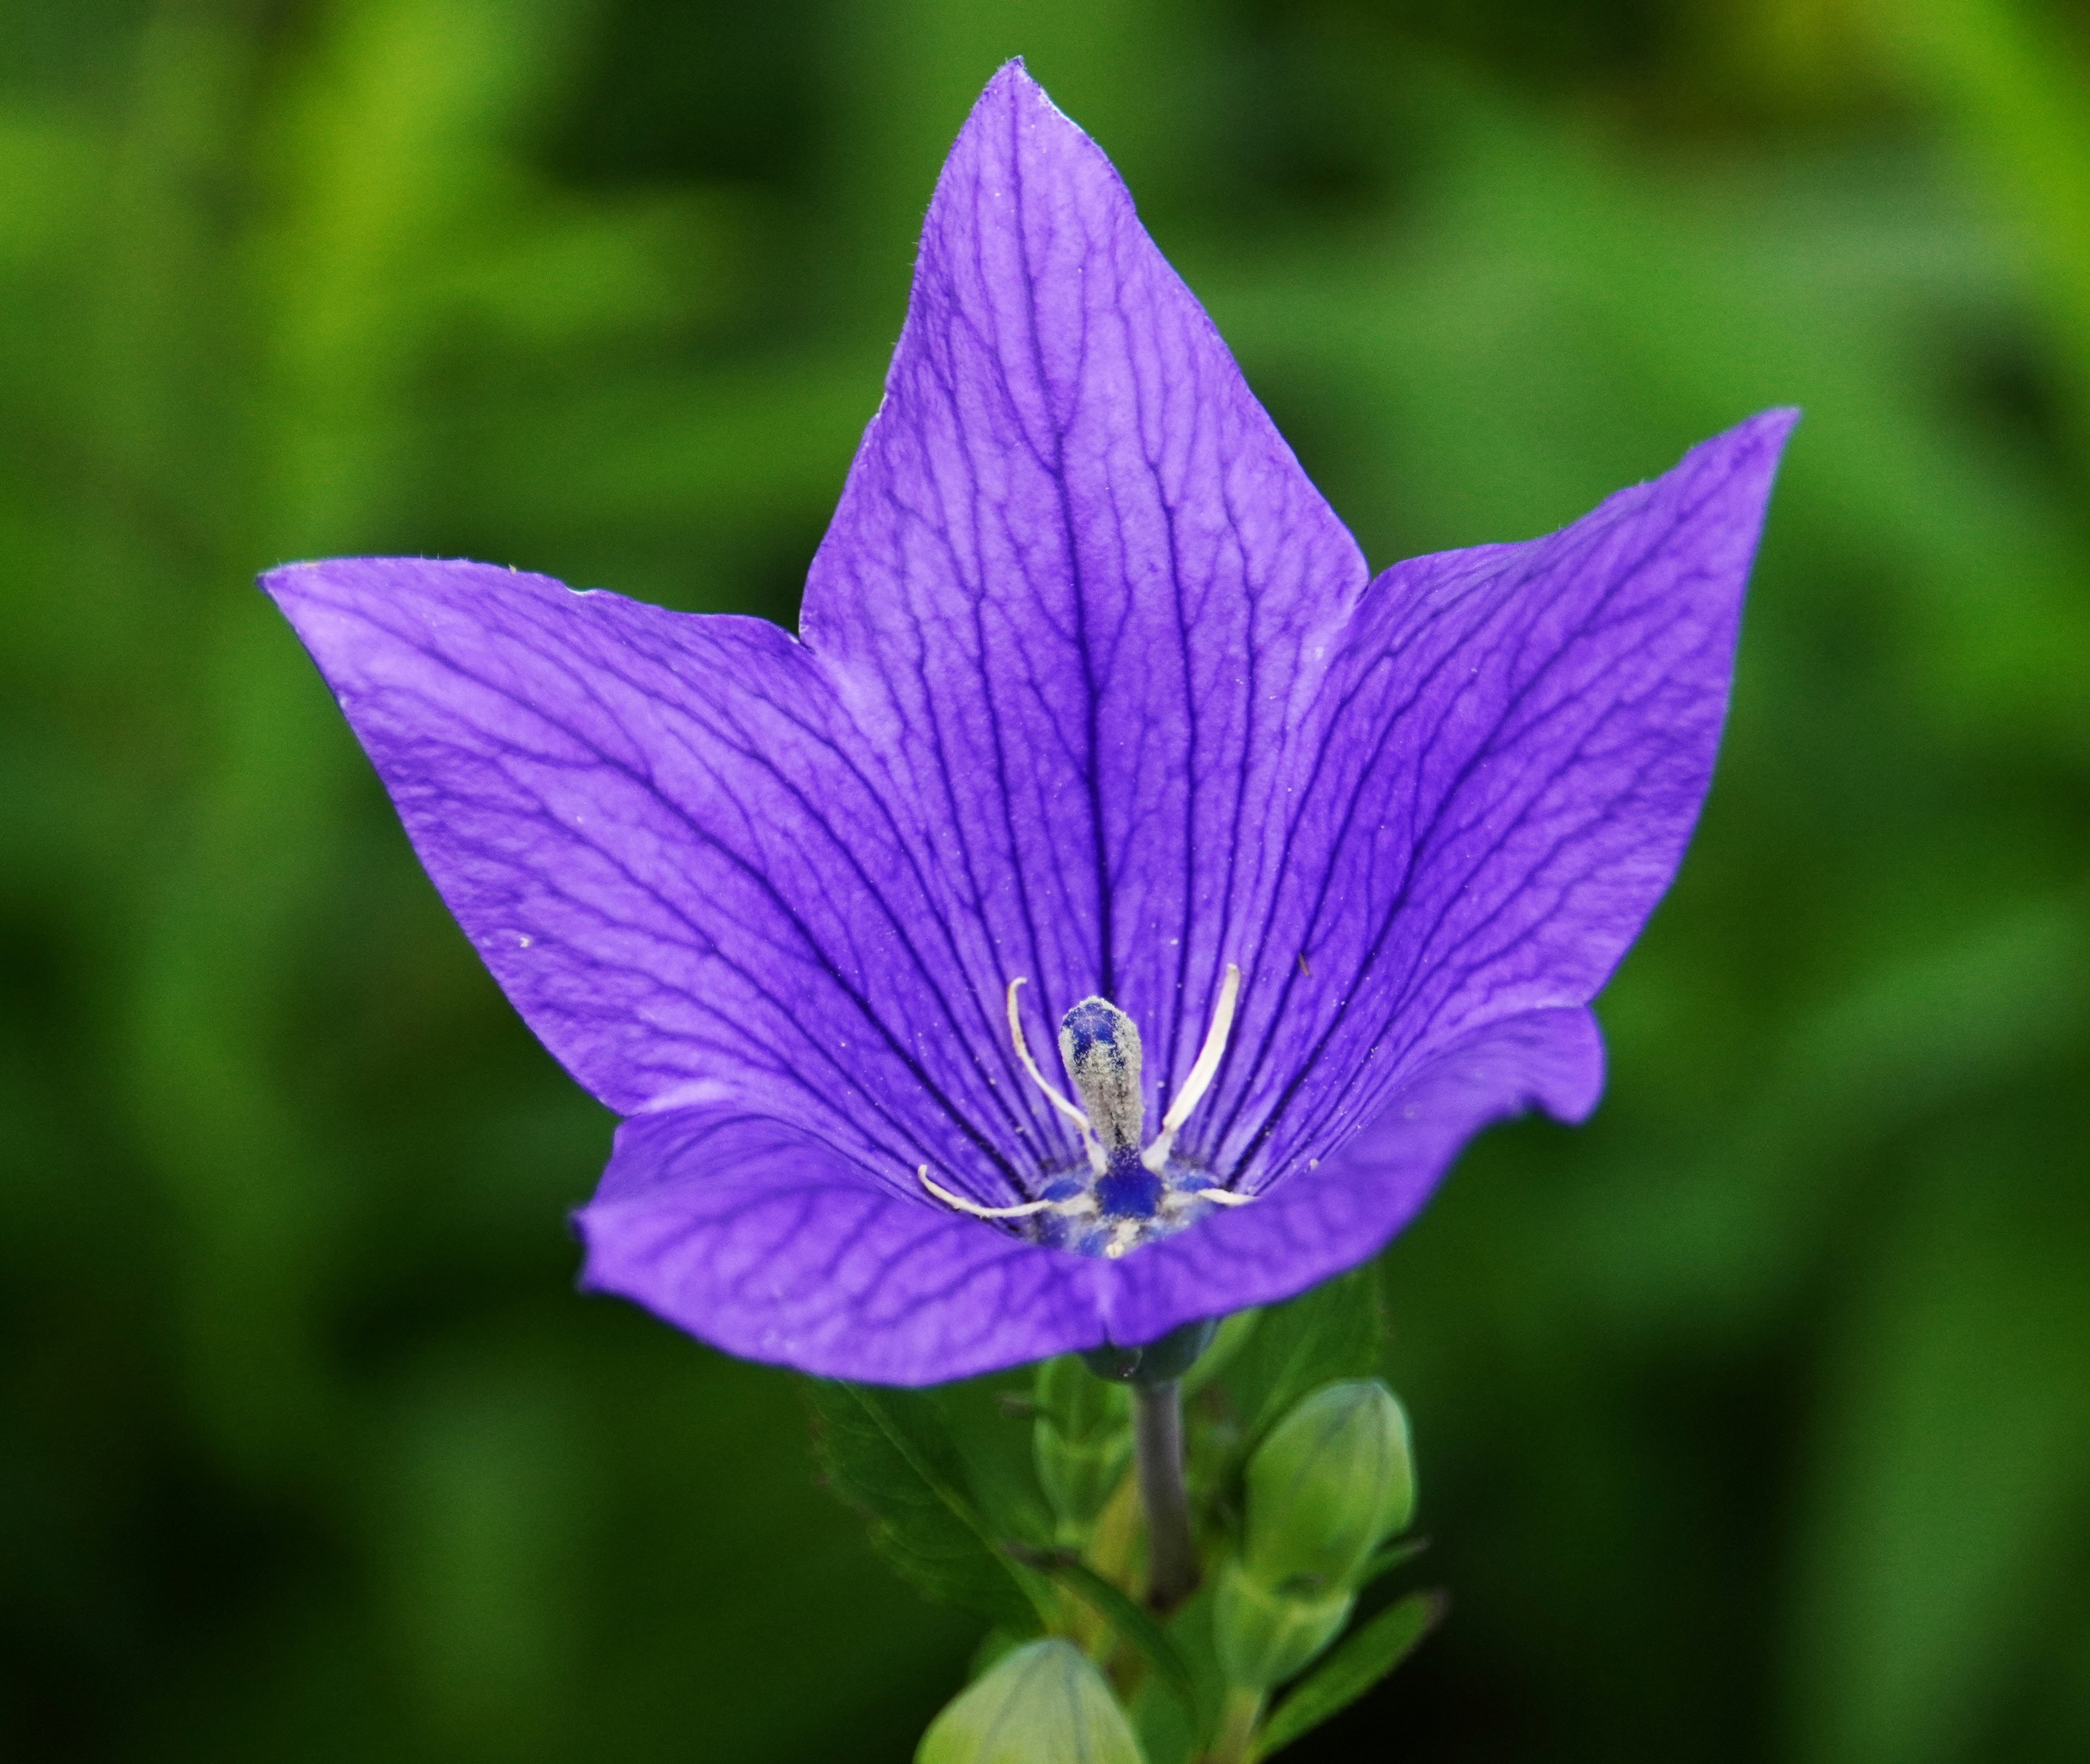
[(1127, 1190)]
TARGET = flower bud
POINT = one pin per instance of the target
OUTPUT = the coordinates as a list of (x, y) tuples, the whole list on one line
[(1264, 1636), (1082, 1442), (1327, 1483), (1044, 1703)]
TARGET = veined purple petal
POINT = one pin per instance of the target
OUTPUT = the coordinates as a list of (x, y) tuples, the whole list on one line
[(752, 1234), (1094, 693), (658, 832), (749, 1232), (1330, 1215), (1513, 744), (1078, 590)]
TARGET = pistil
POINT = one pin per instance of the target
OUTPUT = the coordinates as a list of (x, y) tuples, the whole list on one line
[(1134, 1192)]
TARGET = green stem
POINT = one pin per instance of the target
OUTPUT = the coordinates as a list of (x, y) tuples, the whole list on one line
[(1171, 1558), (1235, 1742)]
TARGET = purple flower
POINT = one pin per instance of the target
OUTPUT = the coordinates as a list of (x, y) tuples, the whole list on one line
[(1099, 727)]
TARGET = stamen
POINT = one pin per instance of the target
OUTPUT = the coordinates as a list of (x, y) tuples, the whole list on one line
[(1131, 1195), (964, 1206), (1097, 1161), (1206, 1068)]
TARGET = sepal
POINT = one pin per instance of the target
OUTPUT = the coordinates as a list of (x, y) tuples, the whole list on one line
[(1157, 1362), (1264, 1636)]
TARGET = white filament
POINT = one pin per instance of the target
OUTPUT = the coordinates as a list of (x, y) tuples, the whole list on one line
[(1053, 1094), (1178, 1200), (974, 1207), (1155, 1156)]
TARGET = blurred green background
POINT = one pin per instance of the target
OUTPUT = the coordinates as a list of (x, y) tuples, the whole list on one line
[(1754, 1419)]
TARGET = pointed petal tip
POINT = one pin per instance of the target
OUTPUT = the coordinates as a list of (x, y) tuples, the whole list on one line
[(1763, 436), (286, 581), (1773, 426), (1743, 460), (277, 581), (1012, 80), (1012, 86)]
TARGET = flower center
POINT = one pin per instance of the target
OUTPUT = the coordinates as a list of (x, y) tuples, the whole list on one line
[(1135, 1190)]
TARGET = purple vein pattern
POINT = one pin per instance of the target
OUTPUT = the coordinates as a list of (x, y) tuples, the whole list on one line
[(1092, 689)]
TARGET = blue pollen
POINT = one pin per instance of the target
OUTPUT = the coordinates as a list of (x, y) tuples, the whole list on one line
[(1127, 1189)]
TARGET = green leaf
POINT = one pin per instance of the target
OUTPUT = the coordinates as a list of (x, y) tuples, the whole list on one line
[(1334, 1331), (1234, 1333), (889, 1454), (1171, 1733), (990, 1436), (1365, 1657)]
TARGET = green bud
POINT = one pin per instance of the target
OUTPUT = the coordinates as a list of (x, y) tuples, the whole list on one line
[(1045, 1703), (1082, 1442), (1328, 1482), (1264, 1636)]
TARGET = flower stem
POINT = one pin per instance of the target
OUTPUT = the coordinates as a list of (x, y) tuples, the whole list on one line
[(1172, 1558), (1237, 1720)]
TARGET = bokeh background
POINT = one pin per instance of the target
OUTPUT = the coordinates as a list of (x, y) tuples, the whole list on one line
[(1754, 1417)]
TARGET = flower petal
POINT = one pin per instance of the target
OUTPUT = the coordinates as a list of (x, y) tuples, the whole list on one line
[(1322, 1221), (751, 1234), (1094, 693), (1516, 744), (1078, 591), (656, 830)]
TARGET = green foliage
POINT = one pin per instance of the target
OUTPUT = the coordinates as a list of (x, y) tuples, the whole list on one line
[(1365, 1656), (1337, 1331), (1232, 1334), (1771, 1375), (891, 1454), (1081, 1443), (1172, 1672), (1171, 1731)]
